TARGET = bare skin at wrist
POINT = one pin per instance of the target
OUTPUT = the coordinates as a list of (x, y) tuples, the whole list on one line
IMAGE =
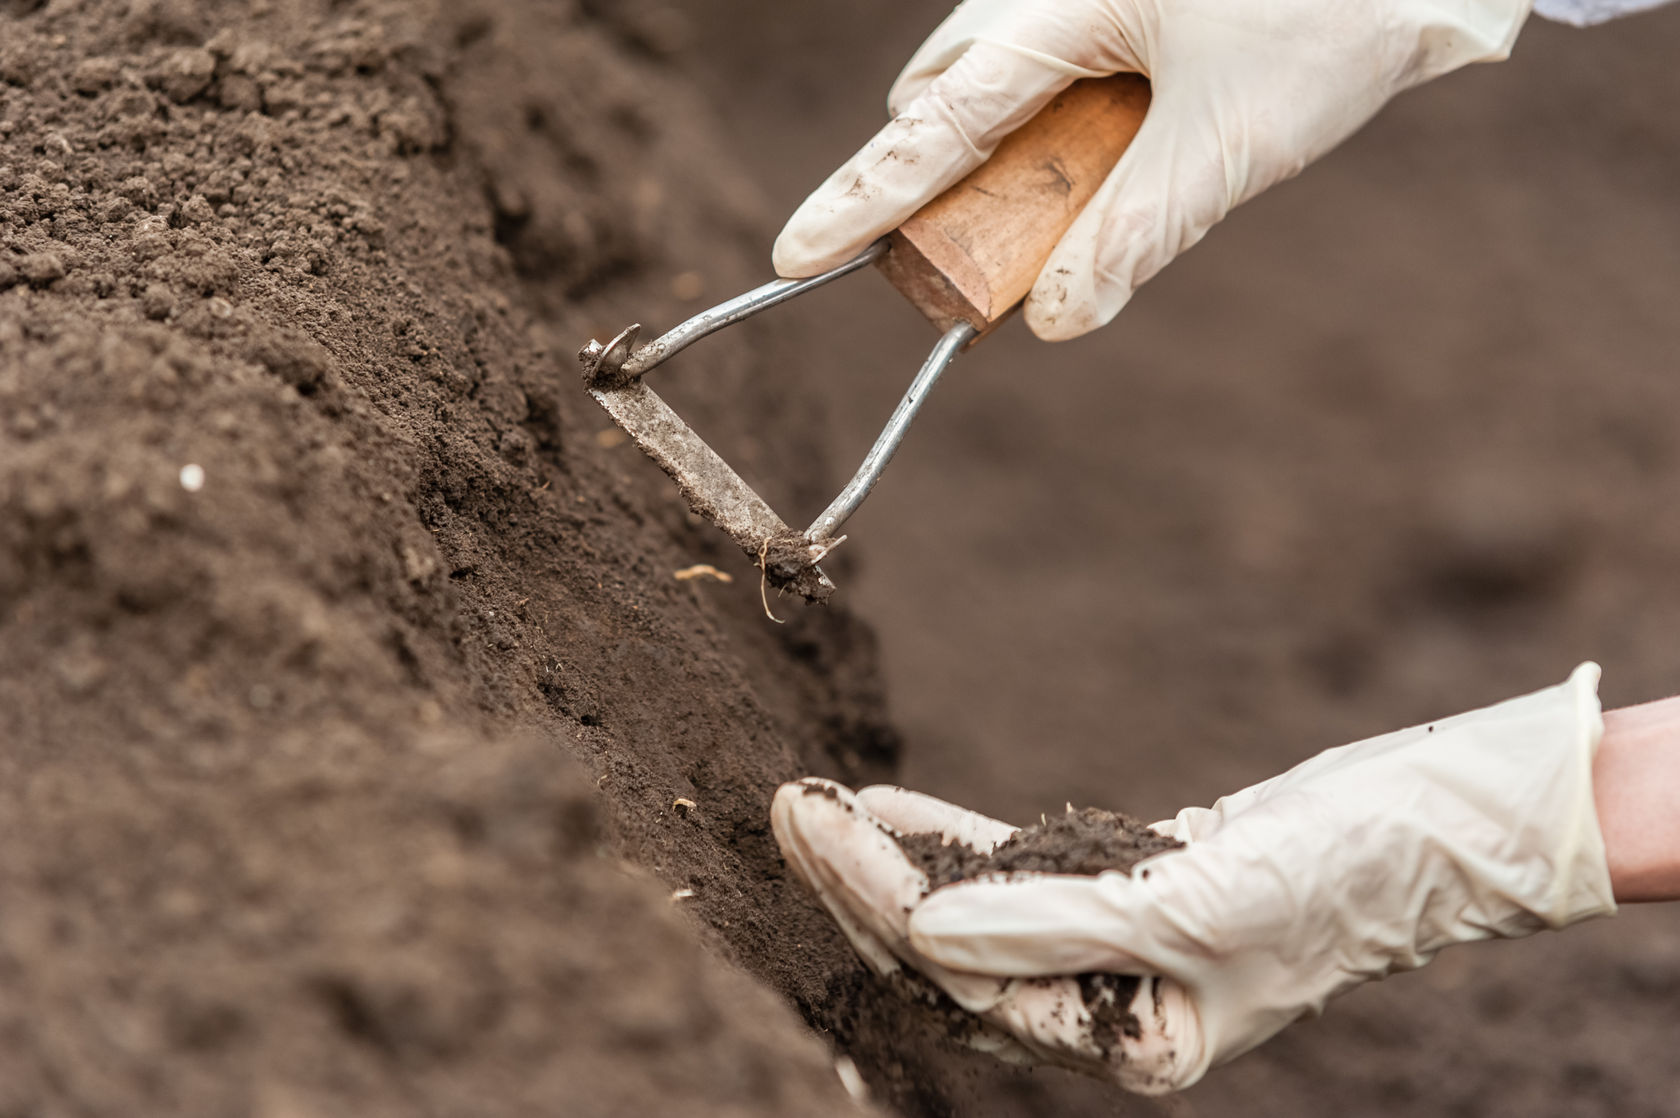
[(1636, 785)]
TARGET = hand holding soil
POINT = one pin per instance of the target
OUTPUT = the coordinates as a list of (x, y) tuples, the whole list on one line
[(872, 858), (1232, 922)]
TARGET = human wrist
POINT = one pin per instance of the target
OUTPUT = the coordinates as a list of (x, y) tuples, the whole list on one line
[(1636, 785)]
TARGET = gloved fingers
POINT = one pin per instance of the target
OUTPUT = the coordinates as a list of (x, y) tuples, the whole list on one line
[(1069, 1022), (1143, 1033), (851, 861), (853, 866), (1053, 924), (971, 21), (950, 129), (1172, 185), (800, 860), (913, 813), (1084, 47)]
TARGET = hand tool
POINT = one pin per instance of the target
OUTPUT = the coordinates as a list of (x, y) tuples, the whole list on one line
[(966, 260)]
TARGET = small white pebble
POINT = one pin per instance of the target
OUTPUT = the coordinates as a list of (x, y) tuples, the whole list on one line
[(192, 477), (851, 1079)]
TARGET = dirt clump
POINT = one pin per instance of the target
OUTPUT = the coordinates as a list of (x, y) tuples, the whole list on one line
[(1084, 841)]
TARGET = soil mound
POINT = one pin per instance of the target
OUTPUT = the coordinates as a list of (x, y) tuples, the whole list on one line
[(342, 661), (339, 930)]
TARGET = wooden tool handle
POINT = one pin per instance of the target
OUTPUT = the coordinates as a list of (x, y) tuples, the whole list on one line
[(972, 254)]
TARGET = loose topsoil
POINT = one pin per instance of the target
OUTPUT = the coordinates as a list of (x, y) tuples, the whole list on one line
[(1087, 841), (360, 752), (379, 763)]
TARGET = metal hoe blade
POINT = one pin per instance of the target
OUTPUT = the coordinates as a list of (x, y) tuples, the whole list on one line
[(613, 375), (714, 490)]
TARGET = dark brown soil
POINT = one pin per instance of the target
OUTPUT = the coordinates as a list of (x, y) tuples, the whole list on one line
[(343, 670), (1087, 841), (320, 781), (340, 929)]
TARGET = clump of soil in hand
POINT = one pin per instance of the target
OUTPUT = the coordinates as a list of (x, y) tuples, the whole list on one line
[(1088, 841)]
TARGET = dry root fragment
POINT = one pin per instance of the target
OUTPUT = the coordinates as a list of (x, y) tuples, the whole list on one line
[(764, 581), (703, 570)]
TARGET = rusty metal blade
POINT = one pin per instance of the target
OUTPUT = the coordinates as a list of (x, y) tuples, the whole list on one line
[(715, 491)]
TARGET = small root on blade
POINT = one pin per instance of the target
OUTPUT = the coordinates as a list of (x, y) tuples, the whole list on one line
[(764, 581)]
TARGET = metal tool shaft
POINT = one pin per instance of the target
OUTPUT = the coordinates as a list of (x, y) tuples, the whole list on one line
[(668, 345), (613, 373), (843, 506)]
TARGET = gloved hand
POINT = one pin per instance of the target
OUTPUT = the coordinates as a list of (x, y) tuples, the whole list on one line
[(843, 846), (1360, 862), (1246, 93)]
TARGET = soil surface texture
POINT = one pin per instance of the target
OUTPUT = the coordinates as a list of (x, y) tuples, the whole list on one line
[(360, 750), (1087, 841)]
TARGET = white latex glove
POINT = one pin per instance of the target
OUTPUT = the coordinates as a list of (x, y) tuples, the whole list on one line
[(1246, 93), (1363, 861), (843, 847)]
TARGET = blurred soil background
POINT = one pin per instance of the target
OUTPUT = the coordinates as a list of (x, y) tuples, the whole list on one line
[(1399, 439)]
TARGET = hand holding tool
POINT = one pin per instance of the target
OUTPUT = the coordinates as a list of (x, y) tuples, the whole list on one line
[(965, 260), (1245, 95)]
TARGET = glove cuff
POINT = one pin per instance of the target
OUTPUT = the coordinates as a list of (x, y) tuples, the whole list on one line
[(1455, 33), (1581, 888), (1529, 852)]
